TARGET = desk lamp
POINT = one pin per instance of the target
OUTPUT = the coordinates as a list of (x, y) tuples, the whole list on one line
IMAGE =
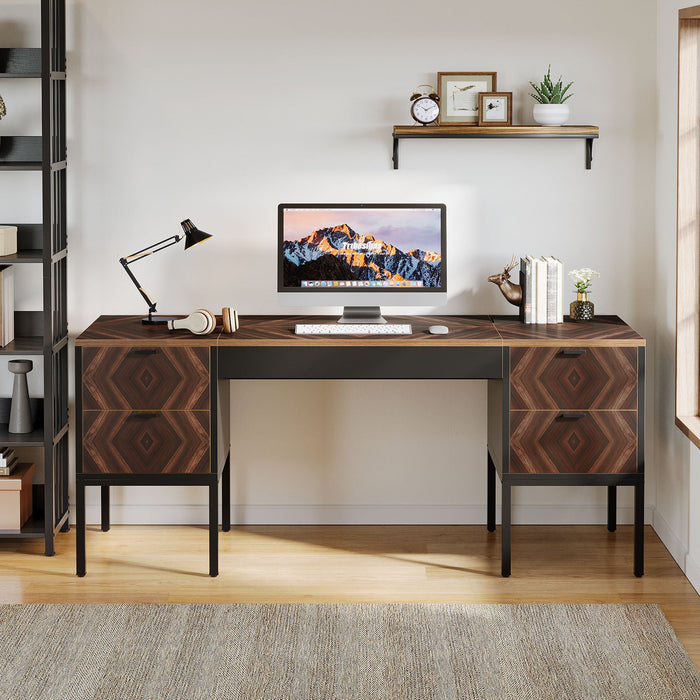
[(192, 236)]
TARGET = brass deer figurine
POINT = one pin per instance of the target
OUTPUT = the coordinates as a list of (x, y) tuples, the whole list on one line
[(512, 292)]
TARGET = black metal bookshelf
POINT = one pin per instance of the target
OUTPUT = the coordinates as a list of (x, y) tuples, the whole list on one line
[(43, 333)]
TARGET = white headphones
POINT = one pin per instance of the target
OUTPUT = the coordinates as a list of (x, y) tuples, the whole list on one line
[(200, 322), (203, 322)]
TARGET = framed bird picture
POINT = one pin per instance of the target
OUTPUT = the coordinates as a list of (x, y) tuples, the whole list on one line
[(458, 93), (495, 108)]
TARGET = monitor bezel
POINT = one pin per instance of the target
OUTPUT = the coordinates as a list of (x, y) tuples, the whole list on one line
[(362, 290)]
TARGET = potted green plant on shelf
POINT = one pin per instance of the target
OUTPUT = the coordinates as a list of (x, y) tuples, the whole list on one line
[(550, 109)]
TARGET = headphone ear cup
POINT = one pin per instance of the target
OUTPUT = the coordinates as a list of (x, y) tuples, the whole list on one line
[(197, 323), (211, 321)]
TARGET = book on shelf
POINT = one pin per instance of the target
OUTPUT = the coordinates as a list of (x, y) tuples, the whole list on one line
[(526, 288), (6, 471), (540, 290), (8, 239), (541, 283), (7, 304), (6, 456), (560, 291)]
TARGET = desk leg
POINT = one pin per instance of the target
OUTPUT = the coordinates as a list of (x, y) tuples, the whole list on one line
[(104, 509), (490, 495), (505, 529), (639, 529), (214, 528), (226, 495), (612, 508), (80, 527)]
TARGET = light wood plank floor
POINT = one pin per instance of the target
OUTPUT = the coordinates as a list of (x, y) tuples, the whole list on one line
[(413, 563)]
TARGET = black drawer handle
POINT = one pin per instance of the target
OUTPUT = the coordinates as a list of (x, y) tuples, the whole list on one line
[(573, 353), (572, 415), (142, 416), (144, 351)]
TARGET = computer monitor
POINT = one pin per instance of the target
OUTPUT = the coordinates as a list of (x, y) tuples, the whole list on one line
[(361, 256)]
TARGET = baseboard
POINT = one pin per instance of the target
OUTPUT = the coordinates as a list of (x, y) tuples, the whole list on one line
[(241, 514), (677, 549), (692, 572)]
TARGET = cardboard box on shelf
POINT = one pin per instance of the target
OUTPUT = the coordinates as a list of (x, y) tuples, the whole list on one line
[(16, 497)]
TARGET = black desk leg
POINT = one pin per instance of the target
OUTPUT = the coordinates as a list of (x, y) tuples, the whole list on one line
[(639, 529), (490, 495), (214, 528), (505, 529), (226, 495), (612, 508), (80, 527), (104, 492)]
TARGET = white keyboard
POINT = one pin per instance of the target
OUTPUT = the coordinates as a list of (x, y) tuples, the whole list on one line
[(353, 329)]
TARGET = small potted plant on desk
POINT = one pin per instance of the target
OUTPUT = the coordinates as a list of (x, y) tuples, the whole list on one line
[(550, 109), (582, 309)]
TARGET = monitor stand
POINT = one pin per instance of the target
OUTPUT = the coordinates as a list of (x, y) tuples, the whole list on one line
[(362, 314)]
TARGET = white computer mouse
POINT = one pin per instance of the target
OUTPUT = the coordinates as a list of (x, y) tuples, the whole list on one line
[(438, 330)]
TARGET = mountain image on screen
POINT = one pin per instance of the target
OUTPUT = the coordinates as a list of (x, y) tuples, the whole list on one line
[(339, 253)]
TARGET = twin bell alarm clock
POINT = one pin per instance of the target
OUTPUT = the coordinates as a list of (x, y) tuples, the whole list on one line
[(425, 105)]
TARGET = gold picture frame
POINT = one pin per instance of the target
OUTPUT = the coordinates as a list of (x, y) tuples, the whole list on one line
[(495, 108), (458, 91)]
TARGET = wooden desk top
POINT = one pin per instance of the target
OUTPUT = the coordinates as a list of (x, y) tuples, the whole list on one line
[(276, 331)]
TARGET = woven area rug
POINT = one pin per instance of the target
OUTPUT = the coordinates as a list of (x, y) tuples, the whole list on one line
[(341, 651)]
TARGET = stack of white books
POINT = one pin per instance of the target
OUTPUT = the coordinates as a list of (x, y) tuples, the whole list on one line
[(8, 461), (542, 280)]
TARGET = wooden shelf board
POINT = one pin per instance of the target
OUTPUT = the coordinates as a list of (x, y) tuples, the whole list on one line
[(498, 131), (36, 437), (22, 256), (20, 63), (24, 346), (20, 152)]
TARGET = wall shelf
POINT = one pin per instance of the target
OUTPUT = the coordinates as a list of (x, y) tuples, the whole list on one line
[(588, 133)]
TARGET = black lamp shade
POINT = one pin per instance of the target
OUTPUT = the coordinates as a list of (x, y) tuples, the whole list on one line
[(192, 234)]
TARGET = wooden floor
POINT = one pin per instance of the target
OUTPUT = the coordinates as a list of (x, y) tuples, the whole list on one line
[(416, 563)]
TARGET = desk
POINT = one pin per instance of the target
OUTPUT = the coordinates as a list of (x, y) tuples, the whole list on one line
[(565, 402)]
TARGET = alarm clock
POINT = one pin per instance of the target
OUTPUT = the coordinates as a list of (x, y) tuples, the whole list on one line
[(425, 106)]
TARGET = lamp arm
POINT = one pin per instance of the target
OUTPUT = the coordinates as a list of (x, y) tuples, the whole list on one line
[(142, 292), (149, 250)]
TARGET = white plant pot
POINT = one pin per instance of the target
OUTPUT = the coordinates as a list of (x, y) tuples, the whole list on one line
[(550, 115)]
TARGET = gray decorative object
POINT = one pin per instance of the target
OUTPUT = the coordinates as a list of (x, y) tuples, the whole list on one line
[(20, 410)]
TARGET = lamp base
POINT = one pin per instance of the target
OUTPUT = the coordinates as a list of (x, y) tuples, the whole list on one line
[(157, 320)]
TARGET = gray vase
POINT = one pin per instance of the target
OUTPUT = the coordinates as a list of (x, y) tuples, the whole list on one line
[(20, 410)]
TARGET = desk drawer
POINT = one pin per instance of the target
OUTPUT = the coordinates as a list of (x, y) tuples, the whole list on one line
[(139, 442), (146, 378), (586, 442), (573, 378)]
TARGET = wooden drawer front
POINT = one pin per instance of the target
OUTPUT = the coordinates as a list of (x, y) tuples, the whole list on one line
[(131, 442), (595, 442), (573, 378), (146, 378)]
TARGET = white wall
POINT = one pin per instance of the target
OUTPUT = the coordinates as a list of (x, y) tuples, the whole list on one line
[(676, 517), (220, 110)]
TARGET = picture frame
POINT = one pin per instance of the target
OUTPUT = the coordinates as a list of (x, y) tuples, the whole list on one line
[(495, 108), (458, 91)]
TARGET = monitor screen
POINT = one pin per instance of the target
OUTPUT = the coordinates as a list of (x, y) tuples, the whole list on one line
[(362, 248)]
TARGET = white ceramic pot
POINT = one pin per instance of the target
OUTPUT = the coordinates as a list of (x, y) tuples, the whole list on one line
[(550, 115)]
